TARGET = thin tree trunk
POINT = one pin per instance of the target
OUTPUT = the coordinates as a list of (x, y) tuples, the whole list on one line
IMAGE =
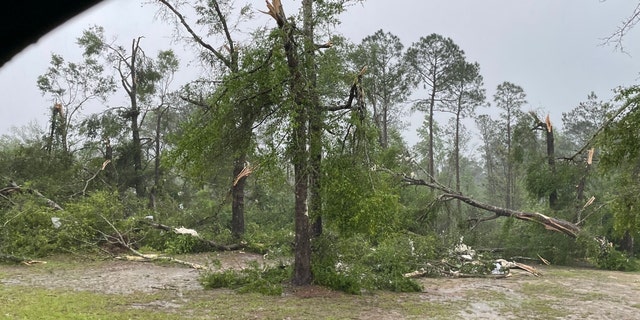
[(134, 112), (551, 160), (457, 150), (315, 120), (237, 195), (509, 195), (432, 103)]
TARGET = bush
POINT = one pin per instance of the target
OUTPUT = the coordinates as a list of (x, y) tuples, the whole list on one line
[(263, 280), (34, 230), (603, 255), (27, 229), (353, 265)]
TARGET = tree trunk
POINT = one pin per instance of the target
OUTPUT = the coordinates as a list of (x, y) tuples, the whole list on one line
[(316, 116), (385, 123), (509, 195), (432, 103), (134, 112), (300, 156), (551, 160), (627, 243), (456, 151), (237, 195)]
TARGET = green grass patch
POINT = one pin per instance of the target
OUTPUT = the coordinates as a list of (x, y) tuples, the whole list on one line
[(34, 303)]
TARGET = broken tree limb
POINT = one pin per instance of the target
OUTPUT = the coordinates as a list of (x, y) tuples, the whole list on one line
[(141, 257), (13, 187), (181, 230), (550, 223)]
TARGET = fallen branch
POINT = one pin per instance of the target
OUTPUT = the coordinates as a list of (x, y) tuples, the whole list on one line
[(210, 243), (145, 257), (141, 257), (15, 259)]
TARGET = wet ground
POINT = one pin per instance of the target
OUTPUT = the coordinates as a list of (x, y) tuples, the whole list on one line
[(561, 293)]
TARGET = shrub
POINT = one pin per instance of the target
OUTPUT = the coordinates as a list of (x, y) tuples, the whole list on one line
[(255, 278), (353, 265), (27, 229)]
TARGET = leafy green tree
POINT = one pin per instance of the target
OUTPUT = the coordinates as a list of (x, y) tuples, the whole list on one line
[(244, 109), (140, 77), (302, 113), (582, 122), (433, 60), (71, 86), (489, 130), (620, 159)]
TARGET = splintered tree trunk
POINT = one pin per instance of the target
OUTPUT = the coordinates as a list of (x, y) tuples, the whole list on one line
[(237, 194), (300, 138)]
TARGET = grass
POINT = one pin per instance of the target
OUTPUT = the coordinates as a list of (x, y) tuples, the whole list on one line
[(37, 303), (18, 303), (548, 297)]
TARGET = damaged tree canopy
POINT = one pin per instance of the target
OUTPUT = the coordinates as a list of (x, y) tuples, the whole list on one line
[(550, 223)]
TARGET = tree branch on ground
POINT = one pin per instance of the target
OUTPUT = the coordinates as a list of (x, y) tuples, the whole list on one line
[(145, 257), (207, 242)]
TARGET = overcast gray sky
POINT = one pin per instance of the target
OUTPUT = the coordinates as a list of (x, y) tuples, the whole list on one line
[(549, 47)]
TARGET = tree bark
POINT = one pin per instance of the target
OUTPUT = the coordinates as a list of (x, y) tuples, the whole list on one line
[(300, 156), (550, 223), (237, 195)]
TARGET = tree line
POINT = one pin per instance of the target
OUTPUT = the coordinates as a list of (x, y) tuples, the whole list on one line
[(296, 128)]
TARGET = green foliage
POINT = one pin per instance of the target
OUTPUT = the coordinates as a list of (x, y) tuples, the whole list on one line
[(603, 255), (26, 228), (101, 218), (359, 200), (620, 160), (182, 243), (265, 280), (354, 265), (276, 242)]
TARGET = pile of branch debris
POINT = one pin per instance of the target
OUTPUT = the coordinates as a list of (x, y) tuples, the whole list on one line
[(464, 262)]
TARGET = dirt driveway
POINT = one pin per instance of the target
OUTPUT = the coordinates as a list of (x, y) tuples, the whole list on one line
[(561, 293)]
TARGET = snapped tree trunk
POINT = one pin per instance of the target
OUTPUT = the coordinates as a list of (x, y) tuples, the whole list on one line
[(237, 195), (300, 156)]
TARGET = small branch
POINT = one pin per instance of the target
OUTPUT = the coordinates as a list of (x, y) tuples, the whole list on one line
[(86, 185), (210, 243), (195, 36), (623, 29)]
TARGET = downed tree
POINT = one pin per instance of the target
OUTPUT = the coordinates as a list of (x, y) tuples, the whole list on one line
[(464, 262), (194, 234), (14, 188), (550, 223)]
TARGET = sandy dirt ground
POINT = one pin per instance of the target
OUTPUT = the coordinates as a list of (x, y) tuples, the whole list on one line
[(576, 293)]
